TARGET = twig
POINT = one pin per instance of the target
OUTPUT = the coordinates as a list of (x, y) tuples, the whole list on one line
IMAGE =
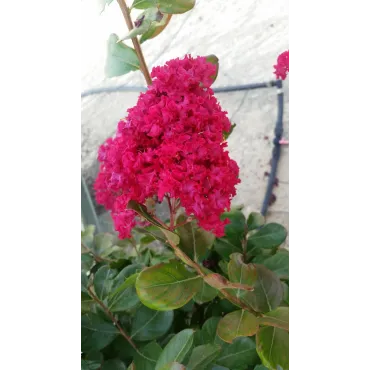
[(111, 316), (135, 41), (96, 257)]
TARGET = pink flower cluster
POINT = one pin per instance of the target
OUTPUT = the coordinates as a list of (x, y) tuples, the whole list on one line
[(171, 143), (282, 66)]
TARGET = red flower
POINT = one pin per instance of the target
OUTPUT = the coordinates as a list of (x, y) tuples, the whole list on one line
[(282, 66), (171, 143)]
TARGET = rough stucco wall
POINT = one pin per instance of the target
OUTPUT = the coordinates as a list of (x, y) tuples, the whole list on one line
[(246, 36)]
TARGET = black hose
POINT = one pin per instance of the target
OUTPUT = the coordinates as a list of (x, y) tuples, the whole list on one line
[(277, 147)]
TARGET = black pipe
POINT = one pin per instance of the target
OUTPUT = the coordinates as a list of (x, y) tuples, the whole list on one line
[(277, 147)]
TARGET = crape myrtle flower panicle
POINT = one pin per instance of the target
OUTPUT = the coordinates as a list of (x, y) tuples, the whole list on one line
[(282, 66), (171, 143)]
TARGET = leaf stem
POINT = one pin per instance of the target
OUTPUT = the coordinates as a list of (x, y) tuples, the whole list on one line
[(111, 316), (144, 68)]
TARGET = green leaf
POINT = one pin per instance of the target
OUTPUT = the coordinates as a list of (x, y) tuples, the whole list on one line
[(223, 265), (87, 236), (278, 263), (203, 355), (278, 318), (268, 291), (89, 365), (228, 133), (142, 211), (124, 298), (86, 302), (213, 60), (238, 355), (208, 333), (96, 333), (156, 28), (194, 241), (269, 236), (167, 286), (177, 348), (86, 262), (260, 367), (144, 21), (175, 6), (241, 272), (173, 366), (149, 324), (113, 364), (206, 292), (143, 4), (286, 293), (234, 234), (239, 323), (273, 347), (255, 220), (121, 59), (166, 6), (103, 244), (103, 281), (146, 357)]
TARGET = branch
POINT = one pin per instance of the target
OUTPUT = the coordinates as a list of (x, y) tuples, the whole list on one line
[(135, 41), (111, 316)]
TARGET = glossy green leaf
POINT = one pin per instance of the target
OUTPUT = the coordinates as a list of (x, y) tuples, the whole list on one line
[(240, 272), (87, 236), (142, 211), (223, 265), (273, 347), (156, 28), (286, 293), (227, 134), (213, 60), (144, 4), (268, 291), (239, 355), (103, 281), (278, 318), (124, 297), (166, 6), (202, 356), (194, 241), (96, 333), (143, 22), (167, 286), (89, 365), (121, 59), (255, 220), (113, 364), (208, 333), (149, 324), (86, 262), (86, 302), (206, 292), (147, 357), (175, 6), (269, 236), (103, 244), (176, 349), (278, 263), (234, 234), (174, 366), (239, 323)]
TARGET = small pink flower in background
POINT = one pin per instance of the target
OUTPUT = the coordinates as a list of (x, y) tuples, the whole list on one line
[(282, 66)]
